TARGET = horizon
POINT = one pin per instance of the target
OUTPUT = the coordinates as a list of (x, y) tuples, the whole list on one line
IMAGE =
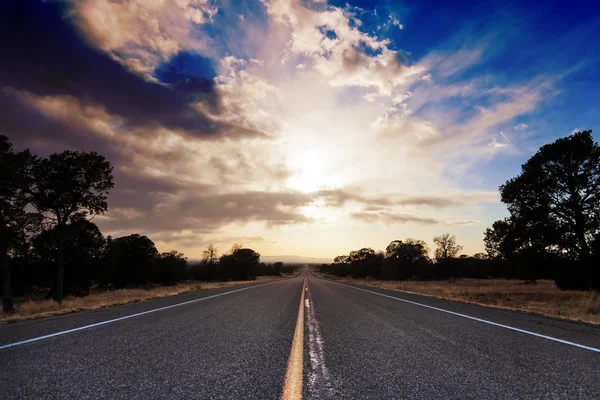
[(307, 128)]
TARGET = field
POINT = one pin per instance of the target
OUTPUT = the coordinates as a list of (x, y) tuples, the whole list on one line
[(43, 308), (540, 298)]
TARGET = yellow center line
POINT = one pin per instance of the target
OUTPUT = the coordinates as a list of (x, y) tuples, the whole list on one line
[(292, 388)]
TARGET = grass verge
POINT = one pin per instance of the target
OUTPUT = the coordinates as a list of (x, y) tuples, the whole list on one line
[(44, 308), (540, 298)]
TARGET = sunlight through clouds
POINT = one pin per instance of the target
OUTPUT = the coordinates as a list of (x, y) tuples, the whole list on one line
[(310, 122)]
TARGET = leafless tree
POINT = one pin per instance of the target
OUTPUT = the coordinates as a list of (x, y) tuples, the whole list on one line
[(210, 255), (446, 246)]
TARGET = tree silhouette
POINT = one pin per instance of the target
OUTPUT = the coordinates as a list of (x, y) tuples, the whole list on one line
[(365, 262), (241, 264), (446, 247), (210, 255), (131, 259), (172, 267), (557, 195), (15, 181), (405, 259), (70, 183), (83, 252), (500, 240), (555, 210)]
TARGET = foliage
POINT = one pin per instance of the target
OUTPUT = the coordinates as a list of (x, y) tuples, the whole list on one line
[(271, 269), (172, 267), (66, 184), (241, 264), (15, 181), (406, 259), (555, 212), (83, 252), (131, 260)]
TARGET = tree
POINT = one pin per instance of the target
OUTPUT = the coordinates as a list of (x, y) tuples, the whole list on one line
[(557, 195), (172, 267), (340, 260), (555, 209), (210, 255), (446, 247), (276, 268), (365, 262), (241, 264), (24, 263), (340, 266), (131, 260), (70, 183), (83, 252), (499, 240), (405, 259), (235, 247), (519, 254), (15, 181)]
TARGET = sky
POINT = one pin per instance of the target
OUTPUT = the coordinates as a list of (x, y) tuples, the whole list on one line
[(302, 127)]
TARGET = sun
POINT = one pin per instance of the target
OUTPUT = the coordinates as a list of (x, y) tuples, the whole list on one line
[(309, 172)]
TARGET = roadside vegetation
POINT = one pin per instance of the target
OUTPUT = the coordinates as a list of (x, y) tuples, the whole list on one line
[(543, 298), (544, 257), (52, 253), (98, 298)]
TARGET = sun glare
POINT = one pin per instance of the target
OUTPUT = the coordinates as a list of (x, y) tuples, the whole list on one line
[(310, 172)]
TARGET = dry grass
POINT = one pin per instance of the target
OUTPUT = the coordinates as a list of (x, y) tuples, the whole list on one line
[(43, 308), (540, 298)]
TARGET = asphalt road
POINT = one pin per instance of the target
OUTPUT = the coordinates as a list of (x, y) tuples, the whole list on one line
[(235, 344)]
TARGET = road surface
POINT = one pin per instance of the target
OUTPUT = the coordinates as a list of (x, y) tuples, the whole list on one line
[(260, 341)]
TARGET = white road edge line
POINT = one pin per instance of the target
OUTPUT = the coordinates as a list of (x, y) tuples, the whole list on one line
[(475, 319), (110, 321)]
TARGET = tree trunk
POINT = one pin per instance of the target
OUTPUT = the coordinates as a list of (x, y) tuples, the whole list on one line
[(584, 248), (60, 271), (7, 300)]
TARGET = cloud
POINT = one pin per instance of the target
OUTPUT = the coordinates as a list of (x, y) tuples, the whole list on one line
[(86, 74), (449, 200), (163, 182), (340, 197), (245, 240), (396, 22), (247, 101), (193, 105), (454, 62), (402, 218), (141, 34), (450, 128), (339, 51), (472, 45), (498, 145), (209, 211), (221, 127)]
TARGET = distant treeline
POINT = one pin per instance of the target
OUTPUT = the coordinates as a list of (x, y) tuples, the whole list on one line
[(128, 261), (47, 238), (409, 260), (553, 231)]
